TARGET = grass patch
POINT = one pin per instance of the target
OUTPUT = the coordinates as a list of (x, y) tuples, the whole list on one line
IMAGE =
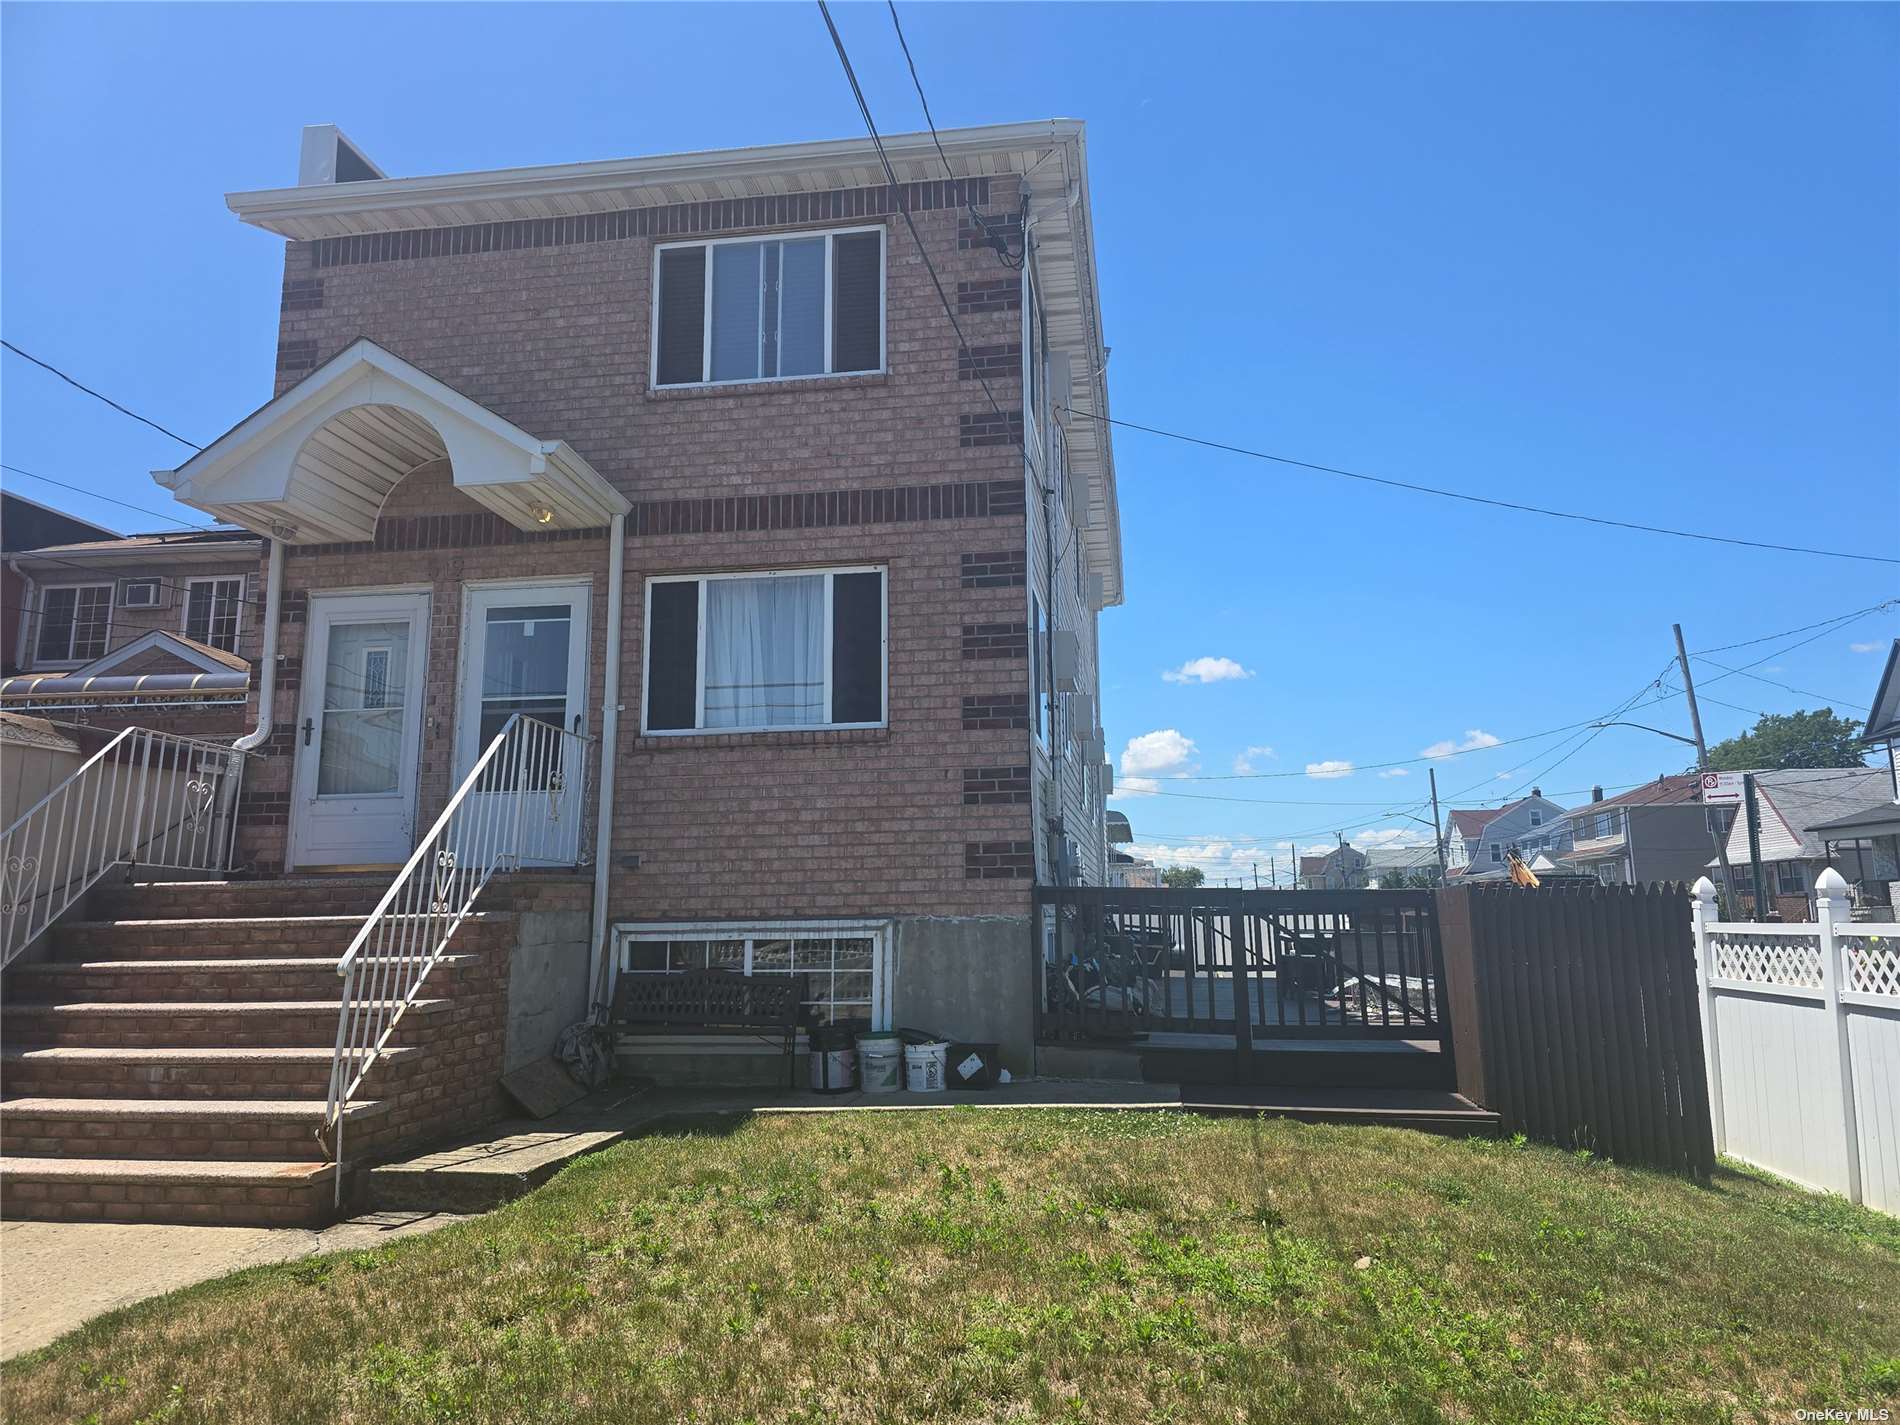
[(1074, 1266)]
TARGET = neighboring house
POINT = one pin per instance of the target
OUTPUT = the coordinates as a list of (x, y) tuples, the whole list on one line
[(1476, 839), (158, 630), (1861, 841), (27, 524), (1133, 872), (1656, 832), (1386, 863), (1792, 805), (1341, 869)]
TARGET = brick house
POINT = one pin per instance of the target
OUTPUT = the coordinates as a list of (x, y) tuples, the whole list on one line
[(682, 455), (155, 630)]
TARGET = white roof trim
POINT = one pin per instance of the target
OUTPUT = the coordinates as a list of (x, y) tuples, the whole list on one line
[(315, 465), (157, 638), (566, 189)]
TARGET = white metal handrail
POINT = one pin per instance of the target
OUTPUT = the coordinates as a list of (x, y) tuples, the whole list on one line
[(523, 803), (146, 798)]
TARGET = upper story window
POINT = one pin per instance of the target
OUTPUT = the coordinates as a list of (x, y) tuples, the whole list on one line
[(765, 652), (212, 611), (1537, 817), (769, 309), (1497, 852), (74, 621)]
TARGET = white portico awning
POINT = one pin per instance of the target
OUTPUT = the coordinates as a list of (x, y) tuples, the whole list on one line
[(315, 465)]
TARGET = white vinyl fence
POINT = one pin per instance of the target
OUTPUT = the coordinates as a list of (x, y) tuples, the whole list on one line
[(1801, 1029)]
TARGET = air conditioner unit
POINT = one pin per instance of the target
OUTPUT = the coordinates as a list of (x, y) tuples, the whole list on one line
[(1082, 713), (1108, 779), (1065, 653), (1098, 592), (1078, 492), (139, 593)]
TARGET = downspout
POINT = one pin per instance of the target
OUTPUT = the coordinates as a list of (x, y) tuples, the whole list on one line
[(267, 658), (609, 761)]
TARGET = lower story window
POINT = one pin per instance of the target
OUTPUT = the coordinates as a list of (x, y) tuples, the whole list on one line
[(846, 963), (765, 652)]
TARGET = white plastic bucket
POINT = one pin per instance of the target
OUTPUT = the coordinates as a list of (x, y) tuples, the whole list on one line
[(881, 1063), (924, 1067)]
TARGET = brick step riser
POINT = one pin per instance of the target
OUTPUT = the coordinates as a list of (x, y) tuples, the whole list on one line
[(189, 940), (23, 1198), (259, 898), (319, 981), (120, 1137), (209, 1082), (259, 1029)]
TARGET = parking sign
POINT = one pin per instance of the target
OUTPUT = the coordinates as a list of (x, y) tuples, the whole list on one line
[(1721, 788)]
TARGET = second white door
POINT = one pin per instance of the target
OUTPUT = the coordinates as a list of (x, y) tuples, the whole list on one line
[(524, 650)]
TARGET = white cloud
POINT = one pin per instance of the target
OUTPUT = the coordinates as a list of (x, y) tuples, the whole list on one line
[(1247, 763), (1476, 738), (1151, 756), (1206, 670), (1395, 772), (1327, 770), (1219, 860), (1864, 647), (1507, 776), (1389, 836)]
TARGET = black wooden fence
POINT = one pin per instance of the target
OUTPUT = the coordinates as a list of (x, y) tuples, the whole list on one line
[(1254, 965), (1575, 1017)]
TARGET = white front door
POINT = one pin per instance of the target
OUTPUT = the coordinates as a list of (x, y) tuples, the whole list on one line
[(524, 650), (359, 731)]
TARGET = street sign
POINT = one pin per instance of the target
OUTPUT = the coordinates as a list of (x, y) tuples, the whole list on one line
[(1722, 788)]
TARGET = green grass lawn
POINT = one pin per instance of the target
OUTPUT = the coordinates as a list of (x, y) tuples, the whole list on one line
[(1073, 1266)]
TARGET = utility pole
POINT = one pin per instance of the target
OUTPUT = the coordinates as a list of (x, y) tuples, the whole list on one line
[(1752, 809), (1273, 871), (1256, 875), (1438, 828), (1702, 762)]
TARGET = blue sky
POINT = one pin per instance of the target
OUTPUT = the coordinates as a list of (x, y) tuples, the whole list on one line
[(1631, 260)]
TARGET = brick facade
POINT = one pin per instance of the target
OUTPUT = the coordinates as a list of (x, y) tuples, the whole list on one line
[(547, 324)]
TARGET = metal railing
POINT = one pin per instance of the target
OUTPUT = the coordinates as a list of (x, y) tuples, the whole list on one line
[(523, 803), (146, 798)]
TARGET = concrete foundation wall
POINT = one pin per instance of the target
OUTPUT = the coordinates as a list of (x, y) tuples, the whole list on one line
[(967, 979), (547, 983)]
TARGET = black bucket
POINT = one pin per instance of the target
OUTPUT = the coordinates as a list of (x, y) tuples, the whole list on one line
[(973, 1066)]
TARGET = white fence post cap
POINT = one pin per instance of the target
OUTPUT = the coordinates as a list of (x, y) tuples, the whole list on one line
[(1705, 889), (1830, 883)]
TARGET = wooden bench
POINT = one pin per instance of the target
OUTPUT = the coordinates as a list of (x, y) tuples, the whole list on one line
[(714, 1002)]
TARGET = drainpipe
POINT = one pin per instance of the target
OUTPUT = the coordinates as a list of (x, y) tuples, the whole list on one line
[(609, 758), (267, 659)]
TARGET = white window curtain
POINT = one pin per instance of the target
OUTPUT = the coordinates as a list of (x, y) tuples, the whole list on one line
[(765, 652)]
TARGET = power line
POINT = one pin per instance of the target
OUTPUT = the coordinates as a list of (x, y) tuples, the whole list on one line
[(1791, 632), (903, 207), (123, 504), (982, 223), (98, 395), (1775, 683), (1475, 499)]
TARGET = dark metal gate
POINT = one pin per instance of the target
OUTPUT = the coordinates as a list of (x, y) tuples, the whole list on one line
[(1119, 964)]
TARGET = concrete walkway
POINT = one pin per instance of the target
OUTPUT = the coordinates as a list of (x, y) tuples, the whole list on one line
[(55, 1276)]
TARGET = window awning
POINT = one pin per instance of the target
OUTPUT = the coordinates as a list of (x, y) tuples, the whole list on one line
[(315, 465)]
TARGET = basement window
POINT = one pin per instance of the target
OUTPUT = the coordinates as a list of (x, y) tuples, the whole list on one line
[(765, 652), (769, 309), (847, 963), (74, 622)]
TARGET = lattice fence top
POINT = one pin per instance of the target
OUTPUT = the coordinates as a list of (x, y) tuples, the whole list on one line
[(1873, 961), (1768, 958)]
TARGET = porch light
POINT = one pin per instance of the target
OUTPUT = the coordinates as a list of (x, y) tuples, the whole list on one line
[(543, 515)]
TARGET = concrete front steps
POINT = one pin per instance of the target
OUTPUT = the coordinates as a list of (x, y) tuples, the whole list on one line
[(171, 1060)]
